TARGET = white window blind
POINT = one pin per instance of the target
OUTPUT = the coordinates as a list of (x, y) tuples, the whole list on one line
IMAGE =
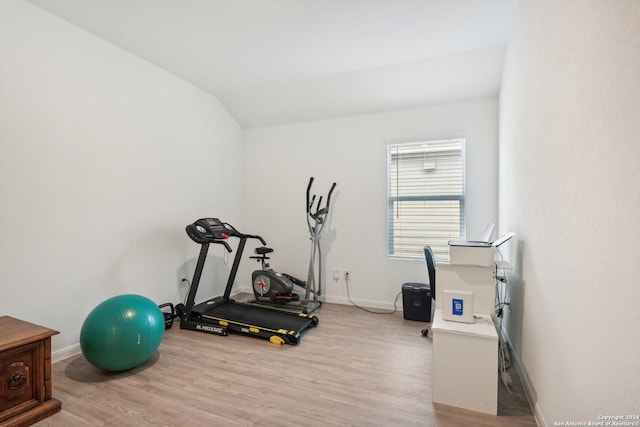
[(426, 199)]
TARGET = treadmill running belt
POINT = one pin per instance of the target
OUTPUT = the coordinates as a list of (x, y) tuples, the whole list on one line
[(264, 319)]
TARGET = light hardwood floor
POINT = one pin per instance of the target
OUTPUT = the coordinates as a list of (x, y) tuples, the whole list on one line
[(354, 369)]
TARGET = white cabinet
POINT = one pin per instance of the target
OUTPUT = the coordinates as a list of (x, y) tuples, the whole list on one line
[(465, 363)]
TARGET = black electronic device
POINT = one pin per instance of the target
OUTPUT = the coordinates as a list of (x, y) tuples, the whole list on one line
[(416, 302)]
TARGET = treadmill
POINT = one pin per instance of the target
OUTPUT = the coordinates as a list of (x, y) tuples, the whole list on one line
[(222, 315)]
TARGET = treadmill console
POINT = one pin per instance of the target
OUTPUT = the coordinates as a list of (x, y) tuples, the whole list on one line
[(210, 230)]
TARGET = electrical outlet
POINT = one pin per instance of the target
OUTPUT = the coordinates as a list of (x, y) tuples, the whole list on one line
[(337, 275), (347, 276)]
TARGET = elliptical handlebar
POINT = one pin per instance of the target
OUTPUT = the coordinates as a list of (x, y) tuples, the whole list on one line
[(333, 186), (320, 211), (310, 203)]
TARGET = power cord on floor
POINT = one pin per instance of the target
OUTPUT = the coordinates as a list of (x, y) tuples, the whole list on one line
[(395, 301)]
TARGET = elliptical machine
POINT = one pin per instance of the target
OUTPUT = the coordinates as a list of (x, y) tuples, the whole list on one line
[(271, 287)]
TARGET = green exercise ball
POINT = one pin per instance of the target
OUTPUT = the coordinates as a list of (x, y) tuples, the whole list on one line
[(122, 332)]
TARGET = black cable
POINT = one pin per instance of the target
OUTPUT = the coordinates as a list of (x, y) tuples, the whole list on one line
[(505, 355)]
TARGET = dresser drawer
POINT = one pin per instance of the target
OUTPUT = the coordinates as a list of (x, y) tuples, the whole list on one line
[(19, 372)]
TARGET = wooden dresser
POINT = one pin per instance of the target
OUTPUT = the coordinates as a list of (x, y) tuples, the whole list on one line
[(25, 373)]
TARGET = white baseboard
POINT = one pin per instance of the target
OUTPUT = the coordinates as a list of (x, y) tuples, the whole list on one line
[(365, 303), (65, 353), (345, 301)]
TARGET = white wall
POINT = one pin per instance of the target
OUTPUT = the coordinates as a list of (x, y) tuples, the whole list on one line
[(352, 152), (104, 159), (569, 126)]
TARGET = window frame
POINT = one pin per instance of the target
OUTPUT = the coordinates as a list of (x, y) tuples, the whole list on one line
[(393, 199)]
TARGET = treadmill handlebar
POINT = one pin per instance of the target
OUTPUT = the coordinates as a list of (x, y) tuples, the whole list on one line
[(251, 236), (212, 230)]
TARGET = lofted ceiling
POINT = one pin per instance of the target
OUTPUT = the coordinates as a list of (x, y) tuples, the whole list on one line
[(284, 61)]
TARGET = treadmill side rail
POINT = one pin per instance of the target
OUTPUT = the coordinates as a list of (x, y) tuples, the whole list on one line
[(287, 336)]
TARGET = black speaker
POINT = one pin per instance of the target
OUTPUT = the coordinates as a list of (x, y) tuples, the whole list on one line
[(416, 301)]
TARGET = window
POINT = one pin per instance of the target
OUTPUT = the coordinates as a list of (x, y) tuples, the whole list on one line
[(426, 199)]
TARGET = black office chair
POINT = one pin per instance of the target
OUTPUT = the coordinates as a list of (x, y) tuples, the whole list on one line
[(431, 270)]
